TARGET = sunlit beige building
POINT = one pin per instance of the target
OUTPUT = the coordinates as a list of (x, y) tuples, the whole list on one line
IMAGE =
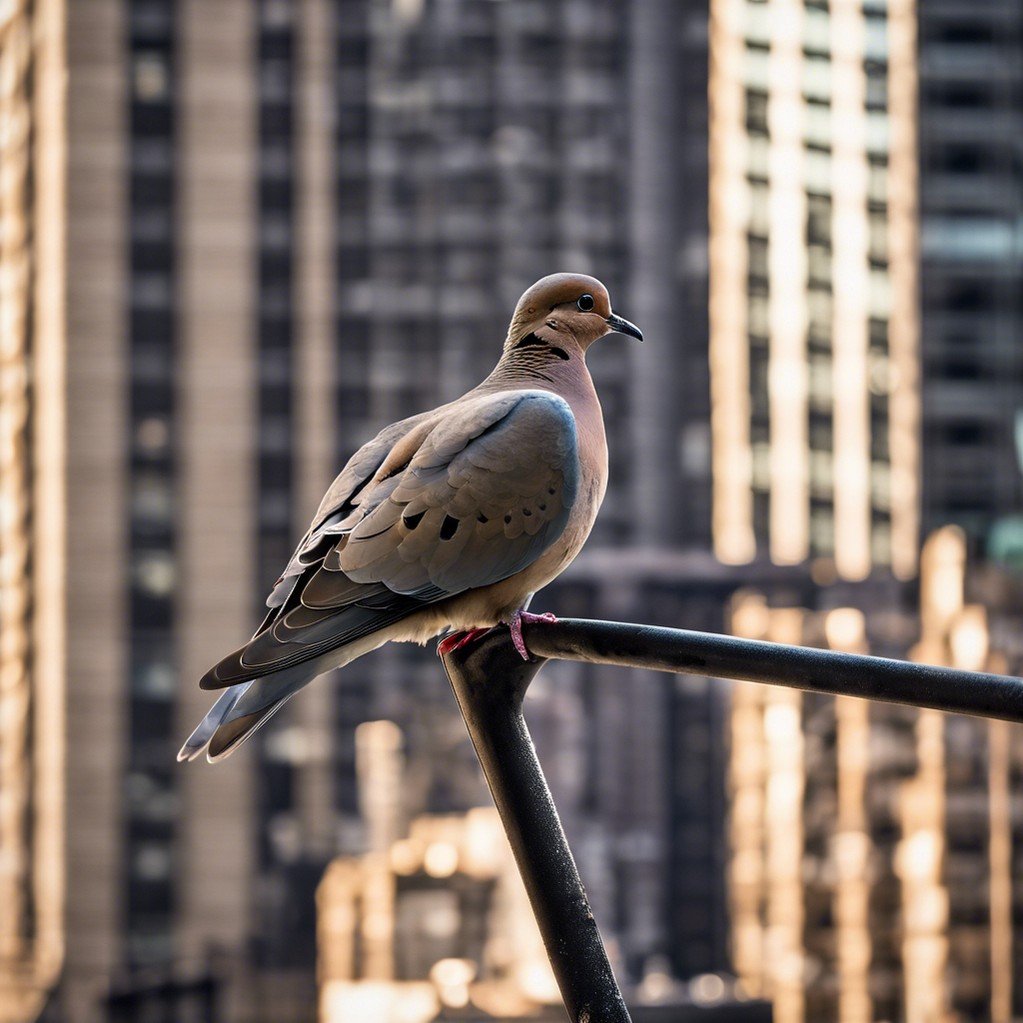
[(108, 860), (814, 422), (873, 847), (813, 339), (432, 917), (32, 515)]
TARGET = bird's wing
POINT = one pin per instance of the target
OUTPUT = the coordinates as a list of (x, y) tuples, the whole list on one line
[(343, 496), (487, 492), (484, 491)]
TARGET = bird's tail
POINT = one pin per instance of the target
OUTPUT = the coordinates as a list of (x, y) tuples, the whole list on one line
[(241, 709), (231, 734), (223, 734)]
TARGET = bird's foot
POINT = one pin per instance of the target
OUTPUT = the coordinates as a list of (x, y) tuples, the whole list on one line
[(457, 640), (515, 624)]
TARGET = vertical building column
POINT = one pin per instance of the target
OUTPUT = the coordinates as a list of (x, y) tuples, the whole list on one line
[(731, 454), (215, 452), (845, 628), (920, 860), (15, 484), (786, 308), (654, 189), (784, 843), (315, 377), (747, 824), (32, 688), (50, 487), (97, 530), (904, 325), (850, 283), (920, 856), (1001, 869)]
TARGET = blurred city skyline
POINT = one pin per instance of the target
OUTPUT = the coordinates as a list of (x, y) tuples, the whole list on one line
[(238, 238)]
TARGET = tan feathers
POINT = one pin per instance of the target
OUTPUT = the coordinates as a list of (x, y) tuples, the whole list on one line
[(450, 519)]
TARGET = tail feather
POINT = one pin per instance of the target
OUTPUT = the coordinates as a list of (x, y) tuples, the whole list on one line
[(243, 707), (230, 735), (220, 732), (200, 737)]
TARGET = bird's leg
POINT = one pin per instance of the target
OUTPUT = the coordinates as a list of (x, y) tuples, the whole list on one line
[(515, 624), (457, 640)]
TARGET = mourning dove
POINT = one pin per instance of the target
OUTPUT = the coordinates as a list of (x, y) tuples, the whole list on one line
[(450, 520)]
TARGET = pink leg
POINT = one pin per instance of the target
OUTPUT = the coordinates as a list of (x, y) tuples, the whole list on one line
[(515, 624), (457, 640)]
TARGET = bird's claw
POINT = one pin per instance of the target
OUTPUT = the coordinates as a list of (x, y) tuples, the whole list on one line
[(457, 640), (515, 627)]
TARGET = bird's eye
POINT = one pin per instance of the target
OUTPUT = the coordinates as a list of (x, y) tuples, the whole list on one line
[(585, 303)]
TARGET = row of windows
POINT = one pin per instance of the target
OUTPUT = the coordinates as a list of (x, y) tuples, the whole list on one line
[(150, 797), (275, 434)]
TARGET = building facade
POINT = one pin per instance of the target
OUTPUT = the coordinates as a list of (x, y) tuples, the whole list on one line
[(970, 184), (813, 339), (870, 846), (33, 857), (873, 847)]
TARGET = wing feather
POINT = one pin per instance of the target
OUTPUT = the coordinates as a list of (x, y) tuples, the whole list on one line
[(483, 492), (516, 467)]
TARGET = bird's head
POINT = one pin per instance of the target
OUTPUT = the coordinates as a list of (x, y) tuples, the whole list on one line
[(566, 311)]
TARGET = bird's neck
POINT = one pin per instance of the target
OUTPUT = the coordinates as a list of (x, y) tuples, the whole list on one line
[(529, 367), (539, 365)]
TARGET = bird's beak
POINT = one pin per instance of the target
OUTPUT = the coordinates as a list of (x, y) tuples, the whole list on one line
[(622, 326)]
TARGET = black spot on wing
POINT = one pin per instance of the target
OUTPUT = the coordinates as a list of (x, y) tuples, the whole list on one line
[(448, 527), (411, 521), (398, 469)]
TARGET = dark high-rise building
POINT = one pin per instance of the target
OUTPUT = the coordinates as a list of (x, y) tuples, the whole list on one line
[(971, 183), (481, 146)]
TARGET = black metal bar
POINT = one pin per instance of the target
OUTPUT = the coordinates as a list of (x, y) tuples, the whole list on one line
[(819, 671), (490, 680)]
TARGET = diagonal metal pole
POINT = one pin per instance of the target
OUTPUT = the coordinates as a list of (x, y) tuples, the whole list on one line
[(490, 680)]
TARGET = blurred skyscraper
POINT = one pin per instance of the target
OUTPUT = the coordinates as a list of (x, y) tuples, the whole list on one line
[(813, 342), (32, 511), (874, 866), (971, 182), (871, 846), (481, 146)]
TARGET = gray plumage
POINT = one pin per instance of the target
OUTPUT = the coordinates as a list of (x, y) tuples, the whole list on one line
[(449, 520)]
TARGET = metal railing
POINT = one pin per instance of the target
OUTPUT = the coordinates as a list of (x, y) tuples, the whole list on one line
[(490, 681)]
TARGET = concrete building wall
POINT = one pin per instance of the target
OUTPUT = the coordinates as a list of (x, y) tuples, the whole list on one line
[(218, 508), (970, 187), (96, 524)]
